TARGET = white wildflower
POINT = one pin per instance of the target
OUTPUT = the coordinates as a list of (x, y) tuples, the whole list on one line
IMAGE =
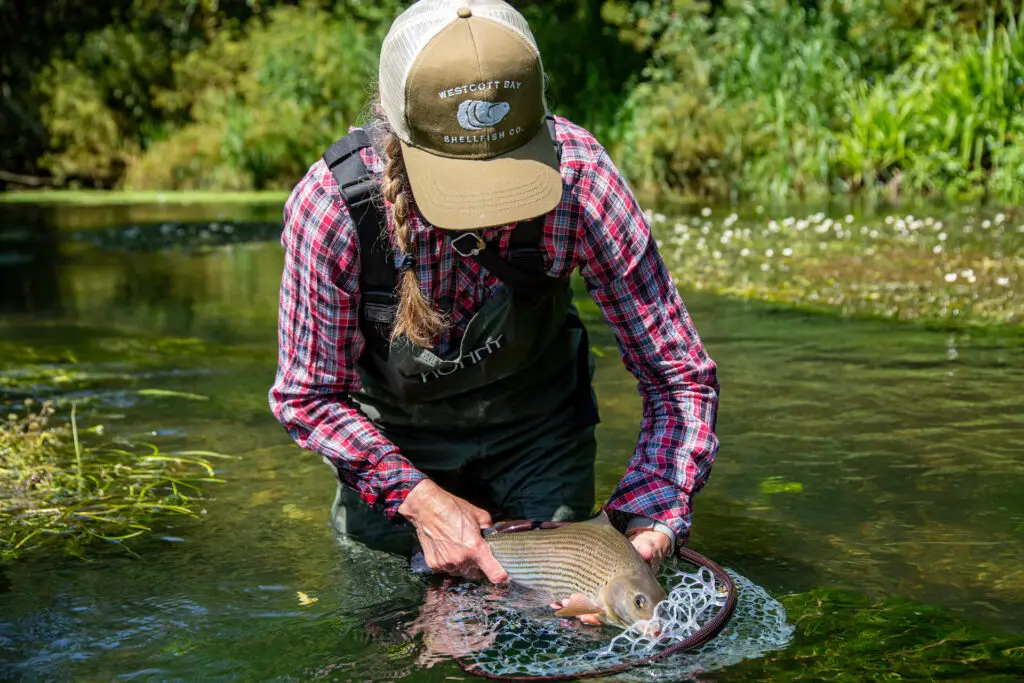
[(787, 252), (706, 211), (950, 277)]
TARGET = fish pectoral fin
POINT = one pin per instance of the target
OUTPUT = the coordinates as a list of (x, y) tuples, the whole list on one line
[(578, 605)]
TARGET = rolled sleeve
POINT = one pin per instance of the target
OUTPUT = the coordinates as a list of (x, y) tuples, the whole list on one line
[(319, 342), (660, 346)]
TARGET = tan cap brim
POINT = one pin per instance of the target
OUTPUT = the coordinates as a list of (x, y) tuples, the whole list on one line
[(467, 194)]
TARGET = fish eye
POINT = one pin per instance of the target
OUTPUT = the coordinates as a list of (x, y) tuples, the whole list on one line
[(640, 601)]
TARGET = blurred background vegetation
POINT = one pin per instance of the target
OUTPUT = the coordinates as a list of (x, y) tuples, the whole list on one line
[(696, 99)]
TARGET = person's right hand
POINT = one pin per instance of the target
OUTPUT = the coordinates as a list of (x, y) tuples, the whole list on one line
[(448, 529)]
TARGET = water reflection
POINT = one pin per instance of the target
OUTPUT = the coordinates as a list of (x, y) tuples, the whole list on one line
[(29, 262)]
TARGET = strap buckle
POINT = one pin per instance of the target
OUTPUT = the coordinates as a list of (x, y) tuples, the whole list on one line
[(479, 244)]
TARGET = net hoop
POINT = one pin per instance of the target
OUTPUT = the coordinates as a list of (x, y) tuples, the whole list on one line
[(700, 637)]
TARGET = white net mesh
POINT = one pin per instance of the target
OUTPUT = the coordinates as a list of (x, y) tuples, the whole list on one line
[(416, 27), (520, 638)]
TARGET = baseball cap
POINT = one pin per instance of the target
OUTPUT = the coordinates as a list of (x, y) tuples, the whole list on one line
[(462, 86)]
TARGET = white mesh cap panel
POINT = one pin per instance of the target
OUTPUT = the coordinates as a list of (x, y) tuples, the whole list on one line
[(416, 27)]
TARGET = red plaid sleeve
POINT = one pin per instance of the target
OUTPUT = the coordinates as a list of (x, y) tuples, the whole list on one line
[(626, 277), (318, 344)]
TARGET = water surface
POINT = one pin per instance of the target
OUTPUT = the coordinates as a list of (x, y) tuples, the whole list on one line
[(881, 458)]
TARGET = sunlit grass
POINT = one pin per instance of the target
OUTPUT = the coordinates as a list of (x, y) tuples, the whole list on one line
[(61, 486)]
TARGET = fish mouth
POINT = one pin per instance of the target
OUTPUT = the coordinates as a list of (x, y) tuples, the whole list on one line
[(649, 628)]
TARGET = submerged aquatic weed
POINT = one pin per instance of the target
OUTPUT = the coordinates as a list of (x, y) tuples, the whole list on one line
[(58, 489), (963, 269), (843, 635)]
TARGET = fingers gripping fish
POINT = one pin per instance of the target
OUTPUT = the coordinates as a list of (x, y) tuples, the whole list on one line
[(591, 563)]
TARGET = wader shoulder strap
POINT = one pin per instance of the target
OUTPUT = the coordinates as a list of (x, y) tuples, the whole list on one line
[(361, 194), (523, 269)]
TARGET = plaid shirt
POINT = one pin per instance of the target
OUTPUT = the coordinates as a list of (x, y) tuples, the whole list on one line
[(598, 228)]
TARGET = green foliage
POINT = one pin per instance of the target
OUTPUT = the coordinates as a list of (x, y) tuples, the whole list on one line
[(738, 101), (775, 99), (947, 121), (97, 150), (263, 104), (587, 90)]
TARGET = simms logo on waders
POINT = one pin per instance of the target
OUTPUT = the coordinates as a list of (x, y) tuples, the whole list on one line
[(466, 361)]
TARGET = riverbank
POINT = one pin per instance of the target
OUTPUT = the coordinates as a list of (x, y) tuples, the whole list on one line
[(124, 197)]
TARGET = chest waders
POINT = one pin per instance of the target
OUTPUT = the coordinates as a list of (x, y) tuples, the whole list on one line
[(506, 419)]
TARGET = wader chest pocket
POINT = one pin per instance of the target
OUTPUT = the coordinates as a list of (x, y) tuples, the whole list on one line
[(379, 307)]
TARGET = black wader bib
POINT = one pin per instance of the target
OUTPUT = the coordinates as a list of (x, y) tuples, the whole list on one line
[(506, 420)]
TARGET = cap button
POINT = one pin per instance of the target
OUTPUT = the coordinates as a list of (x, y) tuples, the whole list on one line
[(465, 12)]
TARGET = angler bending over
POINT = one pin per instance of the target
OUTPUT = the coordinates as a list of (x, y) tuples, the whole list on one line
[(431, 353)]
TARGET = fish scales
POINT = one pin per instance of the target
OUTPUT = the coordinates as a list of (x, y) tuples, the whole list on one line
[(575, 558)]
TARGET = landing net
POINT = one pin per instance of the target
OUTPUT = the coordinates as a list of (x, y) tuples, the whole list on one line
[(701, 628)]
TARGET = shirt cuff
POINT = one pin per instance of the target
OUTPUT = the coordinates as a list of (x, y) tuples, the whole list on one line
[(642, 494), (389, 483)]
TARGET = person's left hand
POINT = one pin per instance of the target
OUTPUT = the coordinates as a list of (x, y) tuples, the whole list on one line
[(653, 546)]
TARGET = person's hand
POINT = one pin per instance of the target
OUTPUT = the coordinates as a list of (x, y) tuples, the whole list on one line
[(448, 529), (653, 546)]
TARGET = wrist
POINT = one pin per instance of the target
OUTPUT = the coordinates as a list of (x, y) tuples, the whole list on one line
[(640, 524), (411, 507)]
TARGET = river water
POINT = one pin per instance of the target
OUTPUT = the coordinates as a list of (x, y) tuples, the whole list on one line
[(881, 459)]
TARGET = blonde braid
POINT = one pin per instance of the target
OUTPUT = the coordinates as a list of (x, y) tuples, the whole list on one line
[(417, 319)]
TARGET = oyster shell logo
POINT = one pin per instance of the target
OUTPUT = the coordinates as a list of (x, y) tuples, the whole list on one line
[(477, 115)]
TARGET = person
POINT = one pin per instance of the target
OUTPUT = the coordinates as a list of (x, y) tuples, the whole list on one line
[(429, 347)]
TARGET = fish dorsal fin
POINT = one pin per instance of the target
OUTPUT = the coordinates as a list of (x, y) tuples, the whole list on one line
[(577, 606)]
